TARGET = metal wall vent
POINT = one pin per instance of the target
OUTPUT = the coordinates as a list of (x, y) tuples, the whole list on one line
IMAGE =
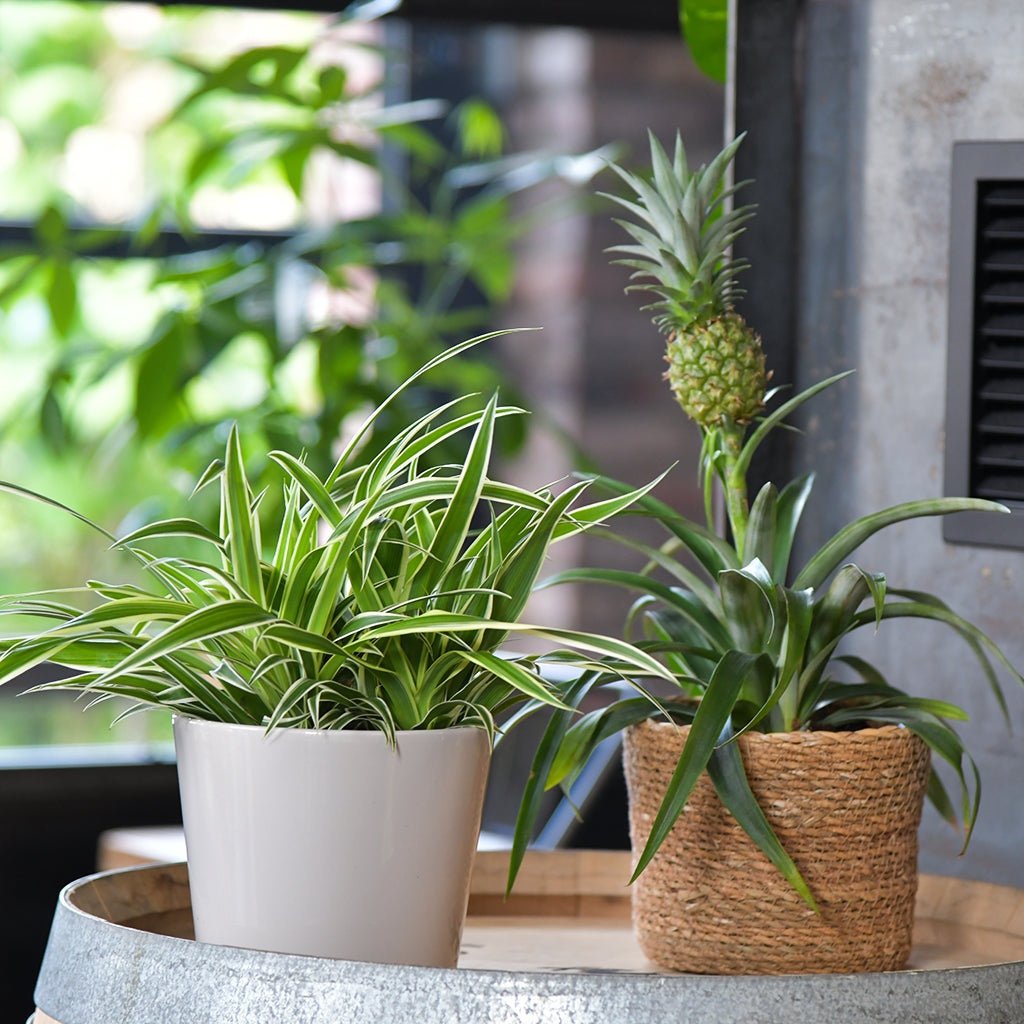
[(985, 383)]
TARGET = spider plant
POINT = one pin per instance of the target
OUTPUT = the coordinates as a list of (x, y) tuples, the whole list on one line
[(384, 600)]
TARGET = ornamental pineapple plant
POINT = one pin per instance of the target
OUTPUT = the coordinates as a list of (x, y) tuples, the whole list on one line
[(752, 641)]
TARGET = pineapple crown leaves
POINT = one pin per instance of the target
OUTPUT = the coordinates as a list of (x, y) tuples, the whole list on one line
[(682, 245)]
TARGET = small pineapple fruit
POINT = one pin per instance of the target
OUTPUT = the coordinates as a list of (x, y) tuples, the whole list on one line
[(716, 364)]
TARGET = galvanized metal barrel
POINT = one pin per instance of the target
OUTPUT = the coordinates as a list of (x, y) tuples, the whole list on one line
[(119, 950)]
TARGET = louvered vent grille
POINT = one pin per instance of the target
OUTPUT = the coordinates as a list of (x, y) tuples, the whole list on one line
[(985, 370), (997, 447)]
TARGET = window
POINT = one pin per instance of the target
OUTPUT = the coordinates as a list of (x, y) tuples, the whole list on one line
[(985, 387), (594, 372)]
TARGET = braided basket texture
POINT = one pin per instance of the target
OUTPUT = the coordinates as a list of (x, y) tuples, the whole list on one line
[(846, 806)]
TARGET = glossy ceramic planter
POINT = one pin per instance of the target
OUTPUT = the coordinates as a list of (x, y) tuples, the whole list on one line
[(331, 843)]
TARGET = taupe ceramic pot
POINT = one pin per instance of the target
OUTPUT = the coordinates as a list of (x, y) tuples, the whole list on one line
[(331, 843)]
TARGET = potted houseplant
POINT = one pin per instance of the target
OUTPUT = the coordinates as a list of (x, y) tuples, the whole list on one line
[(334, 687), (774, 808)]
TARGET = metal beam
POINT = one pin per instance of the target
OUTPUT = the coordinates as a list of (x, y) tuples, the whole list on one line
[(640, 15), (767, 106)]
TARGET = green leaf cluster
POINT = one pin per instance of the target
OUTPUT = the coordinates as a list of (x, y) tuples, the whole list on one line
[(382, 602)]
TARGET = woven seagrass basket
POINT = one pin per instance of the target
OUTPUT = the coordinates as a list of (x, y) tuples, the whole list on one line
[(846, 806)]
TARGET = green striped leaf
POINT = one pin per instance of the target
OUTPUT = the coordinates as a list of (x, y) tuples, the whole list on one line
[(586, 516), (520, 569), (711, 552), (201, 626), (310, 485), (127, 611), (359, 435), (242, 526), (170, 528), (527, 683), (458, 517), (695, 612), (302, 639)]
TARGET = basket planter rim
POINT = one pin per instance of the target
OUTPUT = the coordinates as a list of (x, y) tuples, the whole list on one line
[(802, 736)]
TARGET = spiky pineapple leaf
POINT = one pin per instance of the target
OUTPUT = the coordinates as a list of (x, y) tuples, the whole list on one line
[(848, 539), (733, 672), (729, 777)]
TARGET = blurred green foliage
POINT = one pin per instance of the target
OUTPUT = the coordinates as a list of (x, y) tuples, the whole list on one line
[(354, 240), (144, 360), (705, 27)]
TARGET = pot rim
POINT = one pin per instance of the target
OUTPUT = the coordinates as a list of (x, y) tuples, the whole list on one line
[(368, 735), (795, 735)]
